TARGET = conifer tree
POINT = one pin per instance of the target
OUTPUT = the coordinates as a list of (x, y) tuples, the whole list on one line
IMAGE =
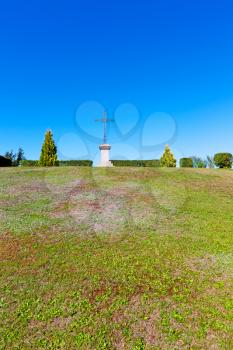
[(48, 155), (19, 156), (168, 159)]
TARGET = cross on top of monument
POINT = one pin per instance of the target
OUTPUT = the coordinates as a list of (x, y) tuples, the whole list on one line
[(105, 120)]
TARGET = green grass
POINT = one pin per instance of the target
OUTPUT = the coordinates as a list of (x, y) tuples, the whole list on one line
[(122, 258)]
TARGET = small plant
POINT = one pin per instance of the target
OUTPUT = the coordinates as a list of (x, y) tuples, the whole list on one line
[(199, 162), (210, 162), (168, 160), (186, 163), (223, 160), (49, 151)]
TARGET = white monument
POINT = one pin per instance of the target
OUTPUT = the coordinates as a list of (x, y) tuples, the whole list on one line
[(105, 147)]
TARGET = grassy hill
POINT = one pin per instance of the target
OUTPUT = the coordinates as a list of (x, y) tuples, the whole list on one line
[(122, 258)]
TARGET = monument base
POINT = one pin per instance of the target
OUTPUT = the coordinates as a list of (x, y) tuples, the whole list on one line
[(104, 156), (105, 165)]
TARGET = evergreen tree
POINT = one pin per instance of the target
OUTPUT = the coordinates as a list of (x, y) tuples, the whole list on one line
[(20, 156), (48, 155), (15, 157), (10, 155), (168, 159)]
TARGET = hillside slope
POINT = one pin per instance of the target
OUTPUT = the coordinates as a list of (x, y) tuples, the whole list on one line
[(116, 258)]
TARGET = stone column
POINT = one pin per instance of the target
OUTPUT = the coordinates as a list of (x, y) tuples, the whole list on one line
[(105, 156)]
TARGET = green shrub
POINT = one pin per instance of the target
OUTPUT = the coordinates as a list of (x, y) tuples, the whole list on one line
[(33, 163), (128, 163), (199, 162), (186, 163), (88, 163), (223, 160), (152, 163), (29, 163), (136, 163), (5, 162)]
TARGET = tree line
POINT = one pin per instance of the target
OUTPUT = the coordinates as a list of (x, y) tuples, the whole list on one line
[(220, 160), (48, 157), (15, 158)]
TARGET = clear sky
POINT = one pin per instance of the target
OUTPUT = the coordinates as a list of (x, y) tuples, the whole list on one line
[(162, 68)]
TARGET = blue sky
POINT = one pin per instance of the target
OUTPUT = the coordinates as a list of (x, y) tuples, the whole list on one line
[(162, 68)]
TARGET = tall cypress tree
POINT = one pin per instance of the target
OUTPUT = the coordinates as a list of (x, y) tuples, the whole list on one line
[(48, 155), (168, 159)]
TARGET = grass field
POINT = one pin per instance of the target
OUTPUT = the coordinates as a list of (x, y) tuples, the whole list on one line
[(120, 258)]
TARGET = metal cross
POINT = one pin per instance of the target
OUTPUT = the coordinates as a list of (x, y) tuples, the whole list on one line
[(105, 120)]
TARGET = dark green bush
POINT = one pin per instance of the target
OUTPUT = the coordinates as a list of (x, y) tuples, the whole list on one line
[(88, 163), (5, 162), (33, 163), (186, 163), (223, 160), (29, 163), (132, 163), (152, 163), (136, 163)]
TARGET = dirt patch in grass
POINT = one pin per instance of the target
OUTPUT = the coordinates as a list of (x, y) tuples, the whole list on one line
[(118, 341), (109, 209), (143, 325), (20, 249), (213, 181), (148, 329), (99, 209), (61, 322), (202, 264), (9, 247)]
